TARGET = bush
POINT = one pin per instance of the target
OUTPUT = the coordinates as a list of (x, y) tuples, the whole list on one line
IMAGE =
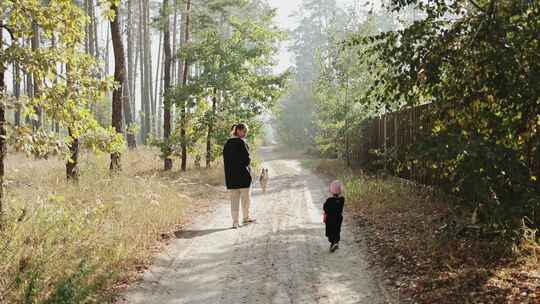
[(475, 69)]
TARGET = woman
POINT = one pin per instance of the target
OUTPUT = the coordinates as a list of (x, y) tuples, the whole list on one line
[(238, 173)]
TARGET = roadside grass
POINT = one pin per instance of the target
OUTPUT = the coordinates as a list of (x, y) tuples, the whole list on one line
[(418, 237), (69, 243)]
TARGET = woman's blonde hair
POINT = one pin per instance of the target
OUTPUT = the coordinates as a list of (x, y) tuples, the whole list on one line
[(238, 127)]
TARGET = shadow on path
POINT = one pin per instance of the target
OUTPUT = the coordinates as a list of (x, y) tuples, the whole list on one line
[(189, 234)]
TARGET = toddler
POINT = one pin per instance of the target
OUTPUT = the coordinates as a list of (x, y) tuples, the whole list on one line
[(333, 214)]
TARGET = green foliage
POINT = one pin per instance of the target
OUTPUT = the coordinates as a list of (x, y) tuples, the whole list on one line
[(103, 139), (297, 114), (103, 111), (345, 82), (62, 96), (233, 81), (477, 63)]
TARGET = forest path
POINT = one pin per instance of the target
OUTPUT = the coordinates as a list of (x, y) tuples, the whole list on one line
[(282, 258)]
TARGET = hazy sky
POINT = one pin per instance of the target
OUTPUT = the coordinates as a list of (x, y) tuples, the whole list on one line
[(284, 9)]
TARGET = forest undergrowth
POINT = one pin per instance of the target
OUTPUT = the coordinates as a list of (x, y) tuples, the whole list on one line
[(69, 243), (426, 248)]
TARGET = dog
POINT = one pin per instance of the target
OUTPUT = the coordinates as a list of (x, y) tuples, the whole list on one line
[(263, 179)]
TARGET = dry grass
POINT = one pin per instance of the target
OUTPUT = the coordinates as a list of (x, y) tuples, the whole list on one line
[(65, 243), (414, 234)]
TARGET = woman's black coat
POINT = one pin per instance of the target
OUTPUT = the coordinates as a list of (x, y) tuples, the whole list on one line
[(236, 160)]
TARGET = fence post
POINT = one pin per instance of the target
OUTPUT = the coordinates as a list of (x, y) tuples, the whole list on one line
[(396, 131), (384, 143)]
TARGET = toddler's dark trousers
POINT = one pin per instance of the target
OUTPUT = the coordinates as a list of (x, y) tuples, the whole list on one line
[(333, 229)]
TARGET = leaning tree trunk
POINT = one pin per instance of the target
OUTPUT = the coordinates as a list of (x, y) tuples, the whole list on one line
[(183, 112), (119, 69), (166, 84), (3, 148)]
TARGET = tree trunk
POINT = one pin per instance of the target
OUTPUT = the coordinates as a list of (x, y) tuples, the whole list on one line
[(181, 33), (72, 165), (119, 77), (183, 112), (126, 106), (3, 148), (17, 92), (145, 106), (166, 83), (56, 124), (156, 91), (137, 49), (160, 100), (178, 64), (86, 29), (134, 81), (148, 68), (29, 88), (130, 57), (211, 131), (94, 30), (347, 133), (37, 123), (174, 30), (90, 41), (106, 72)]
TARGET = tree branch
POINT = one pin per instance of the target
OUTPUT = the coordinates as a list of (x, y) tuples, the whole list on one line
[(477, 6)]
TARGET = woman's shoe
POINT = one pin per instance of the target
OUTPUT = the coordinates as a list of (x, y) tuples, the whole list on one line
[(248, 221)]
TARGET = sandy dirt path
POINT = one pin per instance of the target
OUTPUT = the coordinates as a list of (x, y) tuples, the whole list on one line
[(282, 258)]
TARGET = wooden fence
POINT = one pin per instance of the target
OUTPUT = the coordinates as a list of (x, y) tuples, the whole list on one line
[(391, 134)]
